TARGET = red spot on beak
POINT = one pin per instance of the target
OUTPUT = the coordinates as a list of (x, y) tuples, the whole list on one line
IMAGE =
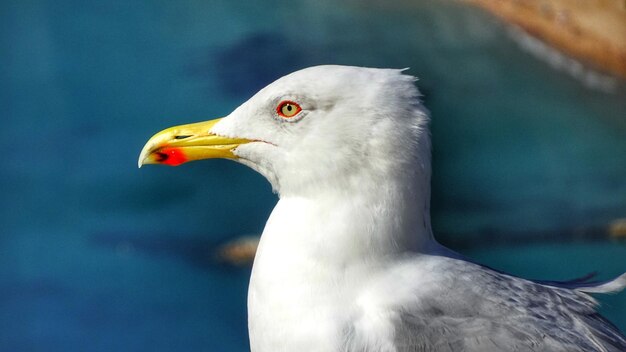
[(171, 156)]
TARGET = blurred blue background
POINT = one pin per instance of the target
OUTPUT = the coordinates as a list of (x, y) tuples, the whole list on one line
[(529, 163)]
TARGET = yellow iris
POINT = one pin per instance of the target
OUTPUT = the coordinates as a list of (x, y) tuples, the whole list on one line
[(288, 109)]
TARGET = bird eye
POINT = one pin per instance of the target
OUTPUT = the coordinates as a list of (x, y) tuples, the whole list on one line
[(288, 109)]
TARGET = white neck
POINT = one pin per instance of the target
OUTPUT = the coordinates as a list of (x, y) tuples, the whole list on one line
[(364, 220), (315, 249)]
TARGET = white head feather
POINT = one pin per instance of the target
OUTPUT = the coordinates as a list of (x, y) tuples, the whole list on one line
[(356, 125)]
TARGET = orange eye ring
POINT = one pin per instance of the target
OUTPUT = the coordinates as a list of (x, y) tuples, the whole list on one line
[(288, 109)]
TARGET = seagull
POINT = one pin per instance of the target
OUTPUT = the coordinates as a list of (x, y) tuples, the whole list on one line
[(347, 260)]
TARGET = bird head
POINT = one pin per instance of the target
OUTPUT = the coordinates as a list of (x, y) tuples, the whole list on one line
[(314, 129)]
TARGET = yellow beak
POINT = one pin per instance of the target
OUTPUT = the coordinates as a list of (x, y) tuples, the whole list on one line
[(180, 144)]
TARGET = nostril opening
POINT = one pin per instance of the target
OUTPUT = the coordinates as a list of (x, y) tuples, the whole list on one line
[(182, 137)]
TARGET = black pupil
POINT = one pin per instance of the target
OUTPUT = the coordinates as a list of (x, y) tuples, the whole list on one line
[(288, 107)]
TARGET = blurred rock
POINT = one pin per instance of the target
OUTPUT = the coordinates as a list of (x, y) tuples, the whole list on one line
[(617, 229), (593, 31), (240, 251)]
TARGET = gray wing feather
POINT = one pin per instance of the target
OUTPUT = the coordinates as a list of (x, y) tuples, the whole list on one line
[(478, 309)]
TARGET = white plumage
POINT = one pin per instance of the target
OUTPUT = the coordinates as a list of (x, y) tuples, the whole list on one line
[(347, 260)]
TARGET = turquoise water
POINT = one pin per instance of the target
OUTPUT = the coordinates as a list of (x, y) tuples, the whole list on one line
[(97, 255)]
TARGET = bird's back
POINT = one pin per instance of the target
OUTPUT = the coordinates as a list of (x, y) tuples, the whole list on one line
[(434, 303)]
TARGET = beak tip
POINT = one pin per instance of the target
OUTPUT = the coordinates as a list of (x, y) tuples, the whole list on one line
[(145, 152), (140, 161)]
